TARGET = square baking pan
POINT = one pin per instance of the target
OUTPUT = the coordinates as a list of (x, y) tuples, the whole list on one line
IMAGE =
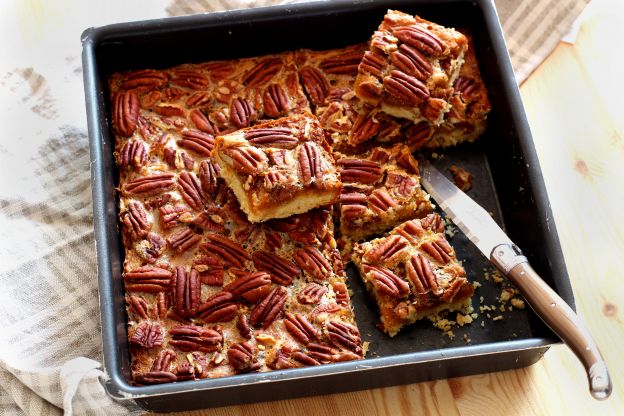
[(508, 183)]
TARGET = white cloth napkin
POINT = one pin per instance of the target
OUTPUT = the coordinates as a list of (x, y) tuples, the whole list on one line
[(50, 349)]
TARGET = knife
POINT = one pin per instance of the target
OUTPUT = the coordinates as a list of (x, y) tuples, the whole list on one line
[(492, 241)]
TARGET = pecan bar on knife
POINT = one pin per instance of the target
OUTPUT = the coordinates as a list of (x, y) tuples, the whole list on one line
[(413, 273), (381, 189), (279, 168), (410, 68)]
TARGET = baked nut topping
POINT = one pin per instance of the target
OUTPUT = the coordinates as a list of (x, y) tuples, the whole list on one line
[(412, 273)]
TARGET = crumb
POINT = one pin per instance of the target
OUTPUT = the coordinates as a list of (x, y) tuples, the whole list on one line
[(474, 315), (467, 339), (517, 303), (497, 276), (482, 324), (506, 294), (488, 315), (450, 334), (434, 155), (481, 299), (476, 285), (497, 318), (463, 319), (462, 178)]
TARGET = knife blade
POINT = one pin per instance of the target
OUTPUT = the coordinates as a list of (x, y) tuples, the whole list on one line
[(497, 247)]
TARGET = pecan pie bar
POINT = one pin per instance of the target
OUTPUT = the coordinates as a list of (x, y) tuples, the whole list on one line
[(381, 189), (413, 273), (410, 68), (279, 168)]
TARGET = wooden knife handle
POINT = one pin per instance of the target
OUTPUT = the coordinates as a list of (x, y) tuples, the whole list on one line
[(557, 314)]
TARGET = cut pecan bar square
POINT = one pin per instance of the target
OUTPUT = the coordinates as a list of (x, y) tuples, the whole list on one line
[(413, 273), (381, 189), (279, 168), (410, 68)]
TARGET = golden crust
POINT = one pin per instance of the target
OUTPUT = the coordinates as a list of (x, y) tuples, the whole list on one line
[(413, 273)]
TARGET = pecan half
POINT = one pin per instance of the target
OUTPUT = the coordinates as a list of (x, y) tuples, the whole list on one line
[(380, 201), (454, 288), (300, 328), (418, 134), (344, 335), (315, 84), (281, 270), (359, 170), (138, 305), (218, 308), (242, 113), (232, 253), (147, 335), (386, 282), (197, 141), (168, 110), (160, 371), (400, 184), (242, 357), (312, 261), (406, 89), (200, 98), (433, 222), (411, 230), (342, 63), (208, 176), (271, 307), (373, 63), (386, 250), (465, 86), (439, 249), (342, 293), (263, 72), (186, 291), (147, 279), (410, 61), (247, 159), (190, 78), (202, 122), (310, 162), (421, 274), (244, 329), (170, 214), (421, 39), (151, 247), (210, 221), (161, 305), (147, 79), (405, 160), (281, 137), (191, 190), (183, 240), (126, 112), (275, 101), (195, 338), (433, 109), (133, 153), (150, 184), (135, 221), (364, 128), (353, 205), (250, 286), (311, 294)]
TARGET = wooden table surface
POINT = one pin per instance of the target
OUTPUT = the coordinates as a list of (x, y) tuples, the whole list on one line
[(577, 119)]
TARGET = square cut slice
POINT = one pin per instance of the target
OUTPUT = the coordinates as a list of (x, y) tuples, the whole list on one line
[(279, 168), (381, 189), (413, 273), (410, 68)]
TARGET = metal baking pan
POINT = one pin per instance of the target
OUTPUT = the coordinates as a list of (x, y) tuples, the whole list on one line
[(508, 182)]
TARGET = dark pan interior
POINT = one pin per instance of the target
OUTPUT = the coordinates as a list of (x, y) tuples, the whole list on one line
[(507, 179)]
